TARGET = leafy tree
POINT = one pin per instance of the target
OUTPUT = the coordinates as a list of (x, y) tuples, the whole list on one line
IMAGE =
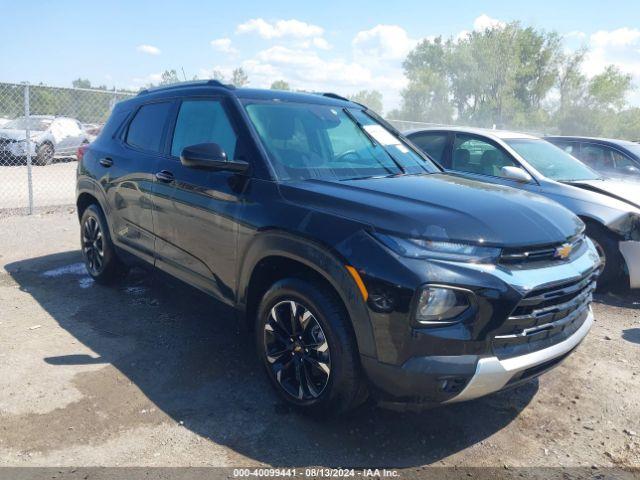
[(239, 78), (370, 98), (280, 85), (168, 77), (81, 83), (513, 77)]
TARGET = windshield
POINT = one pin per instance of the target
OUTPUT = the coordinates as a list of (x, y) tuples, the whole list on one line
[(21, 123), (308, 141), (551, 161)]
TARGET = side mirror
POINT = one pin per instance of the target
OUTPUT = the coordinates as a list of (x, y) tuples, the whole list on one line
[(210, 156), (632, 170), (515, 173)]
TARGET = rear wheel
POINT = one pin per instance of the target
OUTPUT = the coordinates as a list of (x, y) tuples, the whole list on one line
[(305, 341), (98, 251), (44, 154), (611, 269)]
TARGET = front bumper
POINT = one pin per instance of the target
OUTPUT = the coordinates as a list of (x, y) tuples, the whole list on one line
[(494, 349), (493, 374), (631, 252)]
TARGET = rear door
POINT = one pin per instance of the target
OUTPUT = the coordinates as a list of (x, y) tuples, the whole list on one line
[(195, 210), (435, 144), (129, 172)]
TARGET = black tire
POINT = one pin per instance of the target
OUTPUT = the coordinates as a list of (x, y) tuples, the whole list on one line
[(98, 252), (44, 154), (344, 388), (605, 242)]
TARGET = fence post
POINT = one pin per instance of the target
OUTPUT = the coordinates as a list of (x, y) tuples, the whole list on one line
[(27, 111)]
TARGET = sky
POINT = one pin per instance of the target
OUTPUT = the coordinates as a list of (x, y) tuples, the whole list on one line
[(343, 46)]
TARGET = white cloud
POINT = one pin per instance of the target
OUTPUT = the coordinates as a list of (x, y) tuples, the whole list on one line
[(223, 45), (148, 49), (281, 28), (620, 37), (484, 22), (386, 42)]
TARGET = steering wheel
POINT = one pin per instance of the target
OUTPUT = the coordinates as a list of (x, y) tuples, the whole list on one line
[(346, 154)]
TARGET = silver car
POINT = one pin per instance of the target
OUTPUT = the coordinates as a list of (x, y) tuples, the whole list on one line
[(50, 137), (609, 208)]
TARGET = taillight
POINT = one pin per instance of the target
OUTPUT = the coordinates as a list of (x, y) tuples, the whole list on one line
[(81, 150)]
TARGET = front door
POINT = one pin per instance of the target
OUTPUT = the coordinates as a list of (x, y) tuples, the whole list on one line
[(195, 209), (481, 159)]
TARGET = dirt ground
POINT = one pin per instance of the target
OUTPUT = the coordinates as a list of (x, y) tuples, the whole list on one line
[(154, 373)]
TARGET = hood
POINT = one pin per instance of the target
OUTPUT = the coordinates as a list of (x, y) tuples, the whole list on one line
[(625, 191), (440, 206), (11, 134)]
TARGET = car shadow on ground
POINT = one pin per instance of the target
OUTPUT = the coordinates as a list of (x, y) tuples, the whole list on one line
[(624, 298), (187, 355)]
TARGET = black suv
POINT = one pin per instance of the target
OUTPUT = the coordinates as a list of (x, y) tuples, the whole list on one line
[(359, 266)]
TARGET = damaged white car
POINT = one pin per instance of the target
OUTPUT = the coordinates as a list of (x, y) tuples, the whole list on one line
[(50, 137)]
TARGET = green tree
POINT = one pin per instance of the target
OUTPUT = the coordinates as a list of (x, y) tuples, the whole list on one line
[(168, 77), (370, 98), (81, 83), (280, 85), (239, 78)]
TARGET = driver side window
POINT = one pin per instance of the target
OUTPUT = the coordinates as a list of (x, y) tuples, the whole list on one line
[(474, 155)]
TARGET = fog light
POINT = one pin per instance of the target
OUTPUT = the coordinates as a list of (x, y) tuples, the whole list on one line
[(441, 305)]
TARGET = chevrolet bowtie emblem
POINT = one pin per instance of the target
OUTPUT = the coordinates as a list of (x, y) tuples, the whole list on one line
[(564, 251)]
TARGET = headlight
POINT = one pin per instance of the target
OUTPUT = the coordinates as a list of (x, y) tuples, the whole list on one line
[(439, 249), (440, 305)]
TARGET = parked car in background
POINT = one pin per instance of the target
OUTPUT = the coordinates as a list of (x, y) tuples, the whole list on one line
[(51, 137), (92, 130), (609, 208), (610, 157), (356, 262)]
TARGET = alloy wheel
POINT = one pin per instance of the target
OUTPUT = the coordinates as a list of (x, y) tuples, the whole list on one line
[(297, 351), (93, 245)]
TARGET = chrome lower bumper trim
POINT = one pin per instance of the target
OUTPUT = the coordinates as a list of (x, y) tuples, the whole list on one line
[(492, 374), (631, 252)]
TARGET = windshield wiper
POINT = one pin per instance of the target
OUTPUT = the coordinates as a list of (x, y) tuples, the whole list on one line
[(373, 141)]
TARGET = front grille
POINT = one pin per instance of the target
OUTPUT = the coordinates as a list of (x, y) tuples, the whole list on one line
[(545, 317), (526, 255)]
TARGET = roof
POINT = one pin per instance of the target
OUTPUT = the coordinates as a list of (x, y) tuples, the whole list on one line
[(246, 93), (613, 141), (498, 134)]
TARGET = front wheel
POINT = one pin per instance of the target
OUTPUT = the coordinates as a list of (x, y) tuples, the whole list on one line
[(612, 262), (44, 154), (305, 341)]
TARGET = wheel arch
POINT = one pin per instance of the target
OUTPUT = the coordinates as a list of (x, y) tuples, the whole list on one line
[(274, 255)]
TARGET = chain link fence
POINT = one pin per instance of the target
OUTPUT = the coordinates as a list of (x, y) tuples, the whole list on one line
[(41, 130)]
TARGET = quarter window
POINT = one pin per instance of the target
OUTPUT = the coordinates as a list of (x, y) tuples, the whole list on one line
[(146, 128), (473, 155), (203, 121)]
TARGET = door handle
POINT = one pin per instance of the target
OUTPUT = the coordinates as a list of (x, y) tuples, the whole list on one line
[(106, 162), (165, 176)]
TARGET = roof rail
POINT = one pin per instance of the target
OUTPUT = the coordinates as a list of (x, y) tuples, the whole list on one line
[(195, 83), (335, 95)]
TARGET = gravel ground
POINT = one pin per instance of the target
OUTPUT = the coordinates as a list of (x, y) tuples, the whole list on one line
[(154, 373)]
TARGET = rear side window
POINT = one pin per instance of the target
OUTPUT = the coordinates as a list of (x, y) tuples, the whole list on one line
[(433, 144), (145, 130), (203, 121)]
